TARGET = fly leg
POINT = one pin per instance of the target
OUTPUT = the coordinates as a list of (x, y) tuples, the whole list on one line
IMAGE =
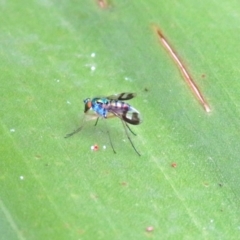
[(130, 129), (125, 128)]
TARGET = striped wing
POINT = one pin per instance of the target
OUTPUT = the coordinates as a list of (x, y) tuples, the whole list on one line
[(132, 116), (122, 96), (123, 110)]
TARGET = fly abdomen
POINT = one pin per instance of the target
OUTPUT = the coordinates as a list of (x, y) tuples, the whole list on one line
[(118, 105)]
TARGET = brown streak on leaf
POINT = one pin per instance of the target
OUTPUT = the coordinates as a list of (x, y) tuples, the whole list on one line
[(183, 69), (102, 3)]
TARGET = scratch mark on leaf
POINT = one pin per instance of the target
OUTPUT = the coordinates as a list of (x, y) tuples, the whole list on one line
[(183, 70)]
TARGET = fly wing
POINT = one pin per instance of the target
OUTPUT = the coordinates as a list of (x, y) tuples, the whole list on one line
[(132, 116), (122, 96)]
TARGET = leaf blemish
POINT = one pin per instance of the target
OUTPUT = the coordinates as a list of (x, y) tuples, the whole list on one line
[(183, 70), (102, 3)]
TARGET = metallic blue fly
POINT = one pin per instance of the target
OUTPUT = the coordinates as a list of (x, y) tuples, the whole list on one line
[(112, 106)]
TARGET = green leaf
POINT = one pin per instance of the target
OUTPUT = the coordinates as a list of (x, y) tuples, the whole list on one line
[(185, 185)]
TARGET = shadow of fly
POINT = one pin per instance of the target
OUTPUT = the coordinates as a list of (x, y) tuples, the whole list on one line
[(109, 107)]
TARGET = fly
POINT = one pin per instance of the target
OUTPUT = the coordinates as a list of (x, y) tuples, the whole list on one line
[(112, 106)]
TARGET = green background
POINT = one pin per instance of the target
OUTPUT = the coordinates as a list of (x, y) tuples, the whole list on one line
[(57, 188)]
